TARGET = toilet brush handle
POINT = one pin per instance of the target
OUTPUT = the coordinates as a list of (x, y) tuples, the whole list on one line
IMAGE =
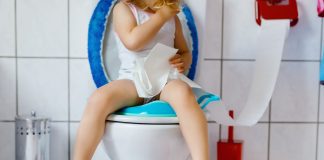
[(231, 128)]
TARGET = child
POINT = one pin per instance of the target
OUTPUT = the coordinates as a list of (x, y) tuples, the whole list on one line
[(139, 26)]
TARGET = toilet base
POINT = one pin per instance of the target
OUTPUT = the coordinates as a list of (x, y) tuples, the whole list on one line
[(131, 141), (126, 141)]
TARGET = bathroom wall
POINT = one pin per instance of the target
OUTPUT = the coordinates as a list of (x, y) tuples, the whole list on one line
[(44, 67)]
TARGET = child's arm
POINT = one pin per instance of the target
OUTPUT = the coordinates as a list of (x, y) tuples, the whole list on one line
[(134, 36), (183, 59)]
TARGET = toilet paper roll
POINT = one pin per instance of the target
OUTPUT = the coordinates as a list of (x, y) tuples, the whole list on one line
[(269, 50)]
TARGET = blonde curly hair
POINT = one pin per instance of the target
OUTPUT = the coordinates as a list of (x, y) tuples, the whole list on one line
[(158, 4)]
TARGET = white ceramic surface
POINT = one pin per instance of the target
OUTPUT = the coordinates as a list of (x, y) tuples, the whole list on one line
[(126, 141)]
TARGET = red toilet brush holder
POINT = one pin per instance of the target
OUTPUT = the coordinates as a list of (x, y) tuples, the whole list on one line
[(230, 149)]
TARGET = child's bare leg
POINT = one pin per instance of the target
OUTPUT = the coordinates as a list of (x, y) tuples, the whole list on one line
[(193, 122), (105, 100)]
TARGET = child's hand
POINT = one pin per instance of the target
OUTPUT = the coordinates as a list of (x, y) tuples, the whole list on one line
[(178, 63), (167, 12)]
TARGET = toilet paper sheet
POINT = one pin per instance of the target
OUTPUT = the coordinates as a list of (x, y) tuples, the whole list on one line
[(269, 50), (152, 72)]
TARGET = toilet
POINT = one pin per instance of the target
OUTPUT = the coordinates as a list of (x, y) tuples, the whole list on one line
[(145, 137), (150, 131)]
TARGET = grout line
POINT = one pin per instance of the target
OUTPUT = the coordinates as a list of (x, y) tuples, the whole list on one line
[(269, 130), (295, 122), (74, 121), (269, 140), (319, 94), (205, 59), (24, 57), (16, 60), (7, 121), (69, 76), (8, 56), (221, 62), (52, 121), (59, 121), (252, 60)]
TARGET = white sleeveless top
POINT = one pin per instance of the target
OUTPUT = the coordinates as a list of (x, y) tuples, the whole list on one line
[(166, 36)]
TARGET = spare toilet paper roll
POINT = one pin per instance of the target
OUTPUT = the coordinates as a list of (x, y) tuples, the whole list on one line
[(269, 50)]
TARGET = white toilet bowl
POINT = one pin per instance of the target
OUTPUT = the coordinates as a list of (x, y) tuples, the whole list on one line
[(145, 138)]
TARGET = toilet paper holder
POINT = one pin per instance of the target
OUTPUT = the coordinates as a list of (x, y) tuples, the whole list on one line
[(320, 8), (274, 9)]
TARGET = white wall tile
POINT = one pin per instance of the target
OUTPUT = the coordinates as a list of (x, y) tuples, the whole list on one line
[(59, 141), (239, 29), (293, 141), (81, 87), (240, 32), (213, 139), (237, 77), (42, 86), (80, 14), (321, 109), (320, 149), (296, 94), (7, 140), (213, 42), (7, 89), (100, 154), (255, 140), (7, 31), (42, 28), (199, 13), (208, 76), (304, 39)]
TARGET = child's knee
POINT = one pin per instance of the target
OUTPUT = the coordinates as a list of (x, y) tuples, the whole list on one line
[(99, 103), (179, 87), (176, 90), (97, 97)]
